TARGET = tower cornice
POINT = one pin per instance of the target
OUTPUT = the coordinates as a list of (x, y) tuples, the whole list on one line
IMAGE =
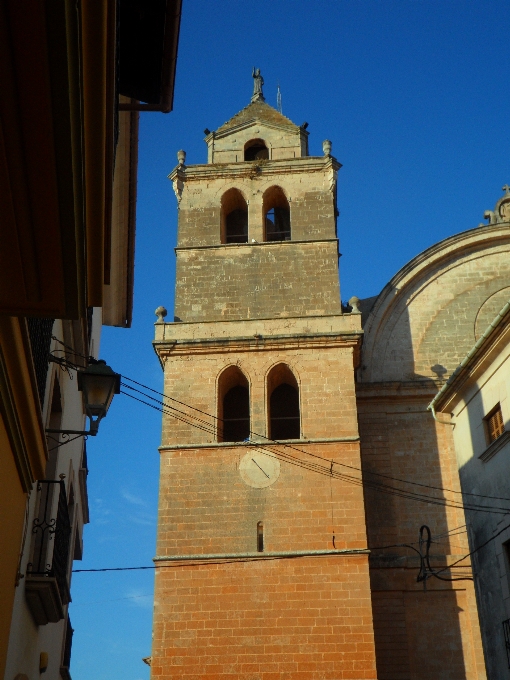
[(253, 169), (282, 334)]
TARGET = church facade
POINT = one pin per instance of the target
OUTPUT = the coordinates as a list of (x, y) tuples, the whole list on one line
[(298, 458)]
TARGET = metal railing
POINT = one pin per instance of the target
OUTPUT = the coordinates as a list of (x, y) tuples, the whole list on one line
[(506, 632), (52, 534), (40, 331), (66, 657)]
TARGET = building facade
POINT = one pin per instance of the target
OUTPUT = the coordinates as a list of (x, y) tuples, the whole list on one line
[(245, 351), (68, 176), (473, 403), (299, 460)]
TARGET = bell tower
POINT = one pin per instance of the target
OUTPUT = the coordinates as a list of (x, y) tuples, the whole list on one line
[(262, 561)]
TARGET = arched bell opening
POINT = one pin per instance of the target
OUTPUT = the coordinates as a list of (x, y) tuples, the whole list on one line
[(233, 406), (255, 150), (283, 396), (276, 211), (234, 217)]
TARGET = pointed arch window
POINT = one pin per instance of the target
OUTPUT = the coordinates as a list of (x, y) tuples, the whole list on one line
[(255, 150), (234, 217), (276, 215), (284, 412), (233, 406)]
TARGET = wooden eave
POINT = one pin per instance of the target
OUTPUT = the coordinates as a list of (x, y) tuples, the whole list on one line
[(40, 252), (54, 112), (149, 38)]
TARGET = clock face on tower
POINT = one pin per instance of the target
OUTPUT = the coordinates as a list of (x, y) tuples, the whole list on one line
[(259, 470)]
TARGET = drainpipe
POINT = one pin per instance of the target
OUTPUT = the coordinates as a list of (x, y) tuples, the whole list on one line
[(432, 409)]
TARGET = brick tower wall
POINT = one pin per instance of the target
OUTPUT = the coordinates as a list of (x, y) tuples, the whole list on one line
[(252, 614), (303, 617), (259, 281)]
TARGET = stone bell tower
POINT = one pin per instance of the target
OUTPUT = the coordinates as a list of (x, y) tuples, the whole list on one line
[(262, 567)]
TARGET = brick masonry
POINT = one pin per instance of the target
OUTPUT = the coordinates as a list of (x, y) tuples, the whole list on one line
[(256, 305), (427, 318)]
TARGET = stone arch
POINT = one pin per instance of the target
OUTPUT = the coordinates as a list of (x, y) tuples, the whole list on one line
[(283, 403), (489, 309), (233, 401), (276, 212), (234, 217), (423, 322), (255, 150)]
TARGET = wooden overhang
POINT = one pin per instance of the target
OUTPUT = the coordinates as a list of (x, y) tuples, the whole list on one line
[(149, 39), (60, 81)]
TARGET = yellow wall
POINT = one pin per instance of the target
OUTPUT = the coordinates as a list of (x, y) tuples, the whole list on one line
[(12, 510)]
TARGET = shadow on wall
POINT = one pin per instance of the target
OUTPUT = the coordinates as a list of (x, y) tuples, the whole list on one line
[(488, 475), (398, 439)]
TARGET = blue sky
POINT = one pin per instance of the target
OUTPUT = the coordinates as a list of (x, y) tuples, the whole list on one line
[(414, 96)]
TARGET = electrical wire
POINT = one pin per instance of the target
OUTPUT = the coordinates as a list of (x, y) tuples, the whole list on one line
[(475, 550), (205, 426), (283, 557), (321, 469), (291, 446), (188, 419)]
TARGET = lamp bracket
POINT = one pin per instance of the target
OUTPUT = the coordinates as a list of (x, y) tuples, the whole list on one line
[(92, 432)]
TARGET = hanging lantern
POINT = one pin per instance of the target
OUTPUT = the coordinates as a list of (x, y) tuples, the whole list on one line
[(98, 383)]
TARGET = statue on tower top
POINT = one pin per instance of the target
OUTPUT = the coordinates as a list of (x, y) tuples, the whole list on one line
[(258, 81)]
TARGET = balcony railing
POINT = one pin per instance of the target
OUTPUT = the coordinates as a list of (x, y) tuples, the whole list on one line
[(66, 656), (40, 331), (47, 587), (506, 632)]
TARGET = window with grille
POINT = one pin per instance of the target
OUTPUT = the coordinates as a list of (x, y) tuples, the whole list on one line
[(494, 424)]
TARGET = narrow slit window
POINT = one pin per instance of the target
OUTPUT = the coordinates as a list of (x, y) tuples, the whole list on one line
[(260, 537), (494, 424)]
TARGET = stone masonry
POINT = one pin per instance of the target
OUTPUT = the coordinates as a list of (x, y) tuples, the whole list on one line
[(313, 603), (256, 306)]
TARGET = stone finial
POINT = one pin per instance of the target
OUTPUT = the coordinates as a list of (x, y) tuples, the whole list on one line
[(326, 147), (353, 303), (258, 82), (161, 313), (181, 157), (501, 212)]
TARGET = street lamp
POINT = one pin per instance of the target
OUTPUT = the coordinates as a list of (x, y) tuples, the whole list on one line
[(97, 383)]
